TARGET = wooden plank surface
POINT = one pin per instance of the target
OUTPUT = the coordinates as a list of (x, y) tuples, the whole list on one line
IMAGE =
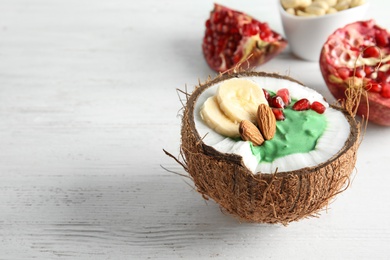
[(87, 103)]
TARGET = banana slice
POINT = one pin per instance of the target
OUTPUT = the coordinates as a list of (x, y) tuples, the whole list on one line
[(239, 99), (217, 120)]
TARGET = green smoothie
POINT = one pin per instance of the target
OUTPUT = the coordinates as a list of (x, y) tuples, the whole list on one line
[(298, 133)]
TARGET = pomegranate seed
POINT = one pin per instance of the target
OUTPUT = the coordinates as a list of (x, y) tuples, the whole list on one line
[(368, 38), (237, 57), (225, 28), (366, 23), (266, 94), (228, 52), (374, 87), (264, 27), (229, 63), (347, 35), (355, 48), (385, 90), (344, 73), (318, 107), (234, 30), (218, 62), (302, 104), (219, 27), (279, 115), (383, 76), (381, 38), (276, 102), (208, 23), (368, 70), (264, 35), (371, 52), (217, 17), (220, 44), (230, 45), (360, 73), (285, 95), (236, 37), (228, 20), (250, 29), (346, 57)]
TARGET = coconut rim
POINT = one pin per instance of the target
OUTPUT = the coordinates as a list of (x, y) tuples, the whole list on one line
[(237, 159)]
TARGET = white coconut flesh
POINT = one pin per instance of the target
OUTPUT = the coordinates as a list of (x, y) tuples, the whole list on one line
[(328, 145)]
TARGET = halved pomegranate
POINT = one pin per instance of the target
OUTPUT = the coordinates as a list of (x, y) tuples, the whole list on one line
[(359, 54), (231, 37)]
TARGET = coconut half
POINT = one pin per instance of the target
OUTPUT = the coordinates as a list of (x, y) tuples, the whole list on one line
[(246, 190)]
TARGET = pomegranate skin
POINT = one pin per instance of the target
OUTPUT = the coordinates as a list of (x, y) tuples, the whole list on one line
[(374, 105), (378, 110)]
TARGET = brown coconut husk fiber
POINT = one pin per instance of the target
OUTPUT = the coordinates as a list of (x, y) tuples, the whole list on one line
[(280, 197)]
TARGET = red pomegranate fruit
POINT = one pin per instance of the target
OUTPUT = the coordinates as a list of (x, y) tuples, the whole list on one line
[(358, 55), (232, 37)]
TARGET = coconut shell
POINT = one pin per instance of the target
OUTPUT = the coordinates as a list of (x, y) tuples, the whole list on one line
[(280, 197)]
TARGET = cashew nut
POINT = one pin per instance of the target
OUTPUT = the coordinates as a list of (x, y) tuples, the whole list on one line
[(318, 7)]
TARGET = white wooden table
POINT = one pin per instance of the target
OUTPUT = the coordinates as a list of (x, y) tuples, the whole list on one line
[(87, 103)]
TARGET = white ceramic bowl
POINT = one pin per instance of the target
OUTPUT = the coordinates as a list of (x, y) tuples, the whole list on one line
[(307, 35)]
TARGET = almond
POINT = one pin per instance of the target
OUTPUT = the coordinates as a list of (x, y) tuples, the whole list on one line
[(249, 132), (266, 121)]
